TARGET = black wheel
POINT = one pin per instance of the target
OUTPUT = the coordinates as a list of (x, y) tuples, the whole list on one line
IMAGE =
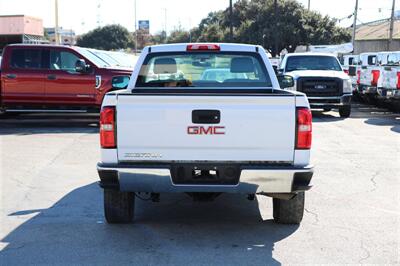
[(345, 111), (118, 206), (327, 109), (289, 211)]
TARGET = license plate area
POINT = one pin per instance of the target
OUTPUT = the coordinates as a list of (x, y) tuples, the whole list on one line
[(205, 174)]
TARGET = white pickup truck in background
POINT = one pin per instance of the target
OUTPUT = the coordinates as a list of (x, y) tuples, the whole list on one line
[(389, 80), (349, 65), (367, 61), (321, 77), (172, 131)]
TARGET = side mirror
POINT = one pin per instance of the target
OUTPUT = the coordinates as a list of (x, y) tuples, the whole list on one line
[(275, 69), (120, 82), (352, 71), (285, 81), (80, 66)]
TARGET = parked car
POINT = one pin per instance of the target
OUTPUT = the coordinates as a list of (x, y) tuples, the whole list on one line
[(321, 77), (50, 77), (389, 88), (205, 137)]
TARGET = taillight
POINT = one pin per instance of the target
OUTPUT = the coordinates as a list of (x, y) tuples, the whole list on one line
[(375, 77), (202, 47), (107, 127), (398, 81), (358, 76), (304, 128), (346, 71)]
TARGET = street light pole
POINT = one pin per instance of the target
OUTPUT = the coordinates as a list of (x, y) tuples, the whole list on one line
[(230, 21), (56, 33), (276, 27), (354, 24), (165, 24), (309, 5), (136, 39)]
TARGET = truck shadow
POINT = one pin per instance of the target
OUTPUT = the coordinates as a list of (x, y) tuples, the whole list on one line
[(42, 123), (359, 111), (177, 230), (393, 122)]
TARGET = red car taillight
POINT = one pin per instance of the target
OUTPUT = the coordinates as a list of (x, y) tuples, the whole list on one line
[(358, 76), (346, 71), (107, 127), (398, 81), (304, 128), (375, 77)]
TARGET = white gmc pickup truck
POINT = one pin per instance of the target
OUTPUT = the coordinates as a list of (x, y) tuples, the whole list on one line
[(233, 130)]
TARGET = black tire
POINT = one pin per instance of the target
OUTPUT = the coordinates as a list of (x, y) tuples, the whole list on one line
[(289, 211), (345, 111), (118, 206)]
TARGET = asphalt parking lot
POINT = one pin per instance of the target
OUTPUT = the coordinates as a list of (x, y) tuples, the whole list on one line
[(51, 207)]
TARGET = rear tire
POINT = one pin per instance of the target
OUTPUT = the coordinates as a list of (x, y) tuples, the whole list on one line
[(289, 211), (345, 111), (118, 206)]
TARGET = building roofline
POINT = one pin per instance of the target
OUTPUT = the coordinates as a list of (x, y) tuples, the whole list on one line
[(20, 15)]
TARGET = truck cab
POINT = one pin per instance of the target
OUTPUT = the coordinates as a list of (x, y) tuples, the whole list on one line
[(53, 77), (321, 77)]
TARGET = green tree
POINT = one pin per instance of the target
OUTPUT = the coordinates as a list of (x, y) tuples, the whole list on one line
[(179, 35), (110, 37), (255, 22)]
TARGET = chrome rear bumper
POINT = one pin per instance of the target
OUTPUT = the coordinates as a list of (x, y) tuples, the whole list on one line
[(157, 179)]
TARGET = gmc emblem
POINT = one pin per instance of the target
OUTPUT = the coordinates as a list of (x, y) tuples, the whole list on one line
[(200, 130)]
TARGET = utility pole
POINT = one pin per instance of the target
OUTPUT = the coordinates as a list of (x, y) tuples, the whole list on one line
[(165, 25), (276, 27), (230, 21), (56, 33), (354, 24), (309, 5), (136, 39), (389, 45)]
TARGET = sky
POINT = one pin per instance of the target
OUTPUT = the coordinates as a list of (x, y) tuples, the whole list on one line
[(84, 15)]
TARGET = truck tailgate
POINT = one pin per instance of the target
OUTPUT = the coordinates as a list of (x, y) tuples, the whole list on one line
[(251, 128)]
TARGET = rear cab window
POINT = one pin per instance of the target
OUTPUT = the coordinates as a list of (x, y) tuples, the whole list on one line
[(203, 70), (22, 58)]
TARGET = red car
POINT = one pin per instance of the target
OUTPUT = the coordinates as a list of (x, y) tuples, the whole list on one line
[(53, 77)]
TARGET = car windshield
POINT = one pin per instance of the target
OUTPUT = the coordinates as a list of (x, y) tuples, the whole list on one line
[(92, 57), (203, 69), (124, 59), (309, 62), (105, 57)]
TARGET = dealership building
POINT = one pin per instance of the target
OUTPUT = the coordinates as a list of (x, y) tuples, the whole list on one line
[(21, 29)]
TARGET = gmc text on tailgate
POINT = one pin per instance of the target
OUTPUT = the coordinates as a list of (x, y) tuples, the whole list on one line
[(55, 77), (205, 119)]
